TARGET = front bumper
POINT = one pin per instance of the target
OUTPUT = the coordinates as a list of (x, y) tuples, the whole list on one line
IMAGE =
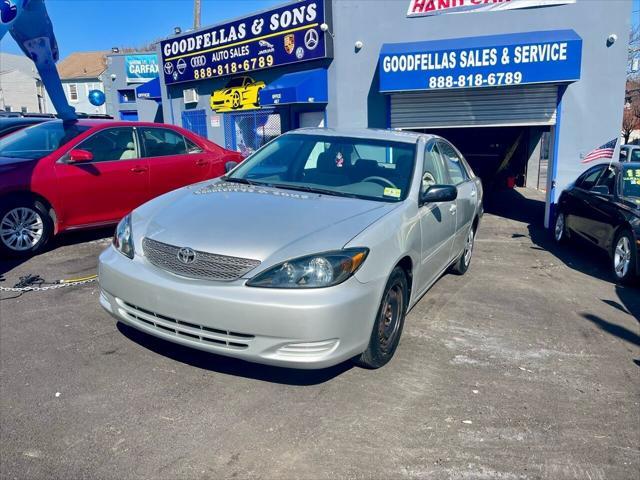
[(292, 328)]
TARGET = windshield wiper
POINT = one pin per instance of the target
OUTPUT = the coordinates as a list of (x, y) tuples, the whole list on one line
[(306, 188), (241, 180)]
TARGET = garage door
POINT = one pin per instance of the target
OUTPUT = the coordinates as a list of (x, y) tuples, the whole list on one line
[(482, 107)]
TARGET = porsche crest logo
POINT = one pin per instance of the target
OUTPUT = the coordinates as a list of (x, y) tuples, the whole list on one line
[(289, 43)]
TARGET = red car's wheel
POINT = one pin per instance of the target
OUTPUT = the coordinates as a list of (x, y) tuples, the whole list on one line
[(25, 227)]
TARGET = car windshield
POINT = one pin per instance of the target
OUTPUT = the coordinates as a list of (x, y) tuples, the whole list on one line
[(631, 181), (340, 166), (40, 140), (235, 82)]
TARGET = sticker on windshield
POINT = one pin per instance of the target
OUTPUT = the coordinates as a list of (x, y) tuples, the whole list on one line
[(633, 176), (392, 192), (339, 160)]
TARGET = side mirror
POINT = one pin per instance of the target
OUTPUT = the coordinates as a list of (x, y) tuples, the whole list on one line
[(79, 156), (439, 193), (230, 165), (601, 190)]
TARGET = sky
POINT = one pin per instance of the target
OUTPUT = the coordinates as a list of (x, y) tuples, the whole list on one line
[(85, 25)]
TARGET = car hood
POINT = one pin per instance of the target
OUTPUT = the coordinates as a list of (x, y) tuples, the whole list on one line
[(266, 224)]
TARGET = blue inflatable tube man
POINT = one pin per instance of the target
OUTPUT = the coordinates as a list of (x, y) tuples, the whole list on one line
[(30, 26)]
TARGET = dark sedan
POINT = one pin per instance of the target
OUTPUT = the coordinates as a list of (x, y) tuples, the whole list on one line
[(603, 207), (13, 124)]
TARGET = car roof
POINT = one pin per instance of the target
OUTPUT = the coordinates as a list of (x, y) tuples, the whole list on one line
[(4, 121), (99, 122), (367, 133)]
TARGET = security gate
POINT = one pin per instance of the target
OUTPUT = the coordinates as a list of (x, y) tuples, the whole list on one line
[(481, 107), (246, 132)]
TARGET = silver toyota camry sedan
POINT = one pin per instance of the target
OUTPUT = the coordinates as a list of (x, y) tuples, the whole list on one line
[(308, 253)]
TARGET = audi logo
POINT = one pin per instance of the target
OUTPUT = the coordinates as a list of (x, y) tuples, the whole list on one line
[(199, 61)]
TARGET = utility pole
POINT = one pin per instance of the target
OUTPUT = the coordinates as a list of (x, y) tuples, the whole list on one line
[(196, 14)]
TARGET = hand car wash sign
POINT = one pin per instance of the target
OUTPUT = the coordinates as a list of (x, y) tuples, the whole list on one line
[(277, 37), (420, 8), (491, 61)]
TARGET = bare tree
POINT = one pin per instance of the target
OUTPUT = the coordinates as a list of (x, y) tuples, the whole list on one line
[(633, 57), (630, 122)]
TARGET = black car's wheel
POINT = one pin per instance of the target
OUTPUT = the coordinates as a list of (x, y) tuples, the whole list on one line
[(560, 228), (623, 259), (389, 322), (462, 264), (25, 227)]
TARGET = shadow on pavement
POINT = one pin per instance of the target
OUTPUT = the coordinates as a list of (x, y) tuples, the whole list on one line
[(62, 240), (616, 330), (232, 366)]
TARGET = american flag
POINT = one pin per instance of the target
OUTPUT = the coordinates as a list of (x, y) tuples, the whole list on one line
[(603, 151)]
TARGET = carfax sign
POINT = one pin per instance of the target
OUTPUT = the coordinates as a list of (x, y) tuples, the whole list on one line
[(491, 61), (141, 68), (277, 37)]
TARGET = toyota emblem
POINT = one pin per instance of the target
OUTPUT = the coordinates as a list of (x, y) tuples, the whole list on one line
[(186, 255)]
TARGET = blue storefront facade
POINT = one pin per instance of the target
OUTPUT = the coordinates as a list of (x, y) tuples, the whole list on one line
[(526, 88)]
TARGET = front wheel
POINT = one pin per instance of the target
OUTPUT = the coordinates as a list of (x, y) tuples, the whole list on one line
[(389, 322), (624, 259), (560, 228), (25, 228)]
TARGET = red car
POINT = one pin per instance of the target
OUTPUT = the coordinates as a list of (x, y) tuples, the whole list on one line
[(59, 176)]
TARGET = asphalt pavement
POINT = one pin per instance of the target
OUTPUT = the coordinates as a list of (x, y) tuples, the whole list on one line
[(526, 367)]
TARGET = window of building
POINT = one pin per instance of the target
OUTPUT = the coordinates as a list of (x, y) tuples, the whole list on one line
[(73, 92), (23, 109), (127, 96)]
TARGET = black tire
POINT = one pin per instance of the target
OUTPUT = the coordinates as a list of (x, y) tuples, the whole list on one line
[(624, 257), (388, 324), (462, 264), (559, 231), (9, 247)]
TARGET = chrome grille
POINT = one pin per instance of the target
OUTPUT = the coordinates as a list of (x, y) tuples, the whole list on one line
[(180, 328), (206, 266)]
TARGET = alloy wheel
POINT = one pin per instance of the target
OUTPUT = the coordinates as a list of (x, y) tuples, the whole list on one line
[(622, 257), (21, 228), (391, 313), (559, 229), (468, 248)]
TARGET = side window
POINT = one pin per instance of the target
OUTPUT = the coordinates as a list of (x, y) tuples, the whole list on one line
[(588, 179), (112, 144), (608, 179), (162, 142), (432, 170), (192, 147), (457, 172)]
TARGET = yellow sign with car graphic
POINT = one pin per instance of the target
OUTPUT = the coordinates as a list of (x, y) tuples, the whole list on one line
[(241, 93)]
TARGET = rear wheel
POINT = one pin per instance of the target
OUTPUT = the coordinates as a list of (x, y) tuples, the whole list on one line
[(624, 259), (462, 265), (389, 322), (25, 228)]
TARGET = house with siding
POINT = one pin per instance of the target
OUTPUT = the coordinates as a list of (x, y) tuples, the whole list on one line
[(21, 89)]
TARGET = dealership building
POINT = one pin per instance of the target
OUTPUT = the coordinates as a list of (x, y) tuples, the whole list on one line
[(524, 88)]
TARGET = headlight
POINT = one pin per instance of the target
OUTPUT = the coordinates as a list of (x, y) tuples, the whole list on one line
[(313, 271), (123, 239)]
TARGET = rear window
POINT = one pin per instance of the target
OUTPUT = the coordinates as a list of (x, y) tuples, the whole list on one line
[(40, 140)]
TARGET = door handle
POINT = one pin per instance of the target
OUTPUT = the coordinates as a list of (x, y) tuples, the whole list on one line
[(202, 163), (139, 169), (453, 209)]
